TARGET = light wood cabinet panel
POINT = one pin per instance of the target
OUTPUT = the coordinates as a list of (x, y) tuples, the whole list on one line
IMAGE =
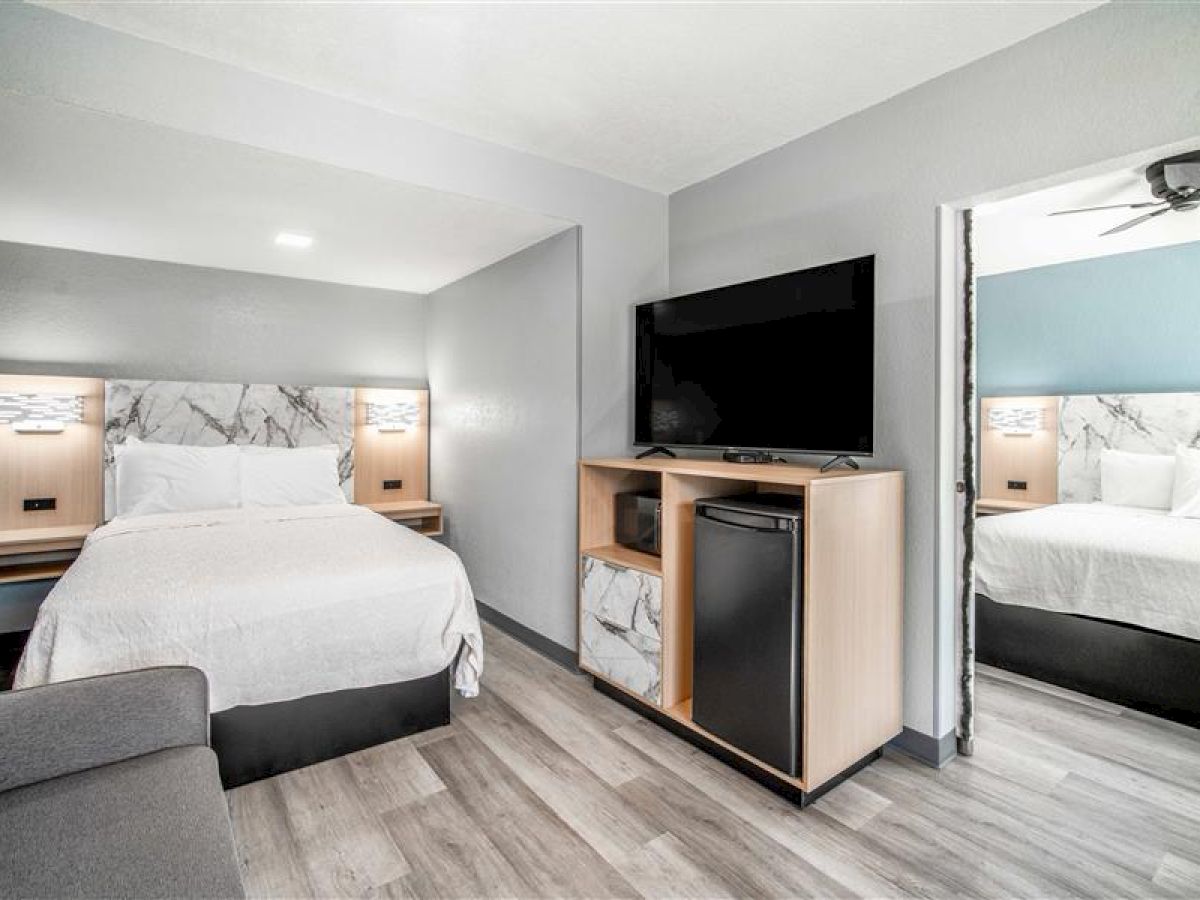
[(853, 620)]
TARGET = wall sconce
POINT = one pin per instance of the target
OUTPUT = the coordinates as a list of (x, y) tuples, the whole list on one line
[(40, 413), (393, 416), (1017, 420)]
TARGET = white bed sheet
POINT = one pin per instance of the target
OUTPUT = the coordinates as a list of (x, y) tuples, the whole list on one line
[(1138, 566), (272, 604)]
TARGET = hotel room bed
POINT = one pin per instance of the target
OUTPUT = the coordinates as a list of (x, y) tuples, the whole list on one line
[(320, 628), (1098, 598)]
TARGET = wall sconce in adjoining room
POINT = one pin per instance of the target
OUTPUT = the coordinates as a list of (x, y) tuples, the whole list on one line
[(1017, 420), (40, 413), (393, 416)]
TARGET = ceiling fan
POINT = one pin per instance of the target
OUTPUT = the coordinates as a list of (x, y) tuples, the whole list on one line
[(1175, 181)]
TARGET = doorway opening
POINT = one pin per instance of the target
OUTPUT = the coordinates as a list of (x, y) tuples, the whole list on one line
[(1060, 353)]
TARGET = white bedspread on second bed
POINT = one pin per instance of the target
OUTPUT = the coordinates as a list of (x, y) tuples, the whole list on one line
[(272, 604), (1129, 565)]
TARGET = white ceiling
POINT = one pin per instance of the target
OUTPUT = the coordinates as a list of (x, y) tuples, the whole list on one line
[(87, 181), (1019, 234), (656, 94)]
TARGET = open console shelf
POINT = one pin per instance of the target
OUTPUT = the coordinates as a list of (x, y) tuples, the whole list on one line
[(636, 608), (627, 557)]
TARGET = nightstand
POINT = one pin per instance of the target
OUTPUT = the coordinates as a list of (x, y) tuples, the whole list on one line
[(33, 554), (998, 507), (419, 515)]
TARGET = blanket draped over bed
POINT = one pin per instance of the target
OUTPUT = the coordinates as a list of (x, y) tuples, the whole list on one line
[(1138, 566), (272, 604)]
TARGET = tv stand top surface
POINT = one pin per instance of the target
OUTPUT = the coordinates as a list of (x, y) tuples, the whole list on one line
[(778, 473)]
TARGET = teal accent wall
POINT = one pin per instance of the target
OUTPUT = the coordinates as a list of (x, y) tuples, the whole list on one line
[(1123, 323)]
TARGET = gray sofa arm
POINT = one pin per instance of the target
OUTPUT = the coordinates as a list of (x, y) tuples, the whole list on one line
[(58, 729)]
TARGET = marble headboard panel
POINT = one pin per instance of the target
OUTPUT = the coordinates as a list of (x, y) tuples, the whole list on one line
[(206, 414), (1141, 423)]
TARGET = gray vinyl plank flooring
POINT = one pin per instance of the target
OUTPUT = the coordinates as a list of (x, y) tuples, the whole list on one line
[(542, 787)]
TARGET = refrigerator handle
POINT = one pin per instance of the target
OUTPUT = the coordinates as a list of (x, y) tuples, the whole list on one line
[(716, 515)]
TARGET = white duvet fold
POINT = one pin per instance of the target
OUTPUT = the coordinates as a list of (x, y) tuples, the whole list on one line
[(1120, 563), (272, 604)]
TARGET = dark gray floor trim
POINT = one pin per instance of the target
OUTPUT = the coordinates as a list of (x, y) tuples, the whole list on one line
[(552, 650), (925, 748)]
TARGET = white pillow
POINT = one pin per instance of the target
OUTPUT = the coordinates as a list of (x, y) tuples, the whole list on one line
[(1136, 479), (119, 449), (163, 478), (1185, 498), (286, 476)]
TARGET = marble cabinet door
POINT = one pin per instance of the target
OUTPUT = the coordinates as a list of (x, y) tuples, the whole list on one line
[(620, 629)]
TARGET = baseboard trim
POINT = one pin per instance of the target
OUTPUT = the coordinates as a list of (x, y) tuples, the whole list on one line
[(935, 752), (552, 650)]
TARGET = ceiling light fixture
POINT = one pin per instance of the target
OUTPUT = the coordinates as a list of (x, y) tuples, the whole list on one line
[(293, 240)]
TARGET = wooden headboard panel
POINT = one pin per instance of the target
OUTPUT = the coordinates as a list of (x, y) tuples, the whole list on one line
[(391, 455), (65, 466), (1028, 458)]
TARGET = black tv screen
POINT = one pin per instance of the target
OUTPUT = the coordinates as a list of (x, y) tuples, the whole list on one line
[(783, 363)]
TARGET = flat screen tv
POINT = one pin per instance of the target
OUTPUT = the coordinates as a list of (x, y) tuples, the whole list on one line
[(785, 363)]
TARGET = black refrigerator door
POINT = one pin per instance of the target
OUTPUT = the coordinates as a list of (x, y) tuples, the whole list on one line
[(746, 668)]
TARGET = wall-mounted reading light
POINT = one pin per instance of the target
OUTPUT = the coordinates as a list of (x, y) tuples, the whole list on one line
[(393, 416), (1017, 419), (40, 413)]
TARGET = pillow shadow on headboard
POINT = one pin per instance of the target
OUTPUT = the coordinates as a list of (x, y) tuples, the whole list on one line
[(208, 414), (1138, 423)]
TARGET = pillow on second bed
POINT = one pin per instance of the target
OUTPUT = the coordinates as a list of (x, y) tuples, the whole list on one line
[(286, 476), (1136, 479), (1185, 499), (165, 478)]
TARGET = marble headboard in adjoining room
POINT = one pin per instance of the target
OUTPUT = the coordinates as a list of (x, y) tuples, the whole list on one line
[(1139, 423), (208, 414)]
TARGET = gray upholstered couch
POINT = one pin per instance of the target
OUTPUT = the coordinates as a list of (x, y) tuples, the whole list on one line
[(108, 789)]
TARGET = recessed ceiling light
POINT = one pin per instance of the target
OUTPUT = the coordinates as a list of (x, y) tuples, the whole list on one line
[(291, 239)]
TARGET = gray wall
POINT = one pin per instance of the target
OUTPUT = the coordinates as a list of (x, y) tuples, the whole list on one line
[(62, 311), (1111, 82), (624, 238), (504, 437)]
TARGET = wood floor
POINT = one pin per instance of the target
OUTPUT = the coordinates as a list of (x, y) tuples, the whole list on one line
[(542, 787)]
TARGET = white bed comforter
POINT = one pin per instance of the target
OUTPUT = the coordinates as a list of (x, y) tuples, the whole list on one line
[(1112, 562), (272, 604)]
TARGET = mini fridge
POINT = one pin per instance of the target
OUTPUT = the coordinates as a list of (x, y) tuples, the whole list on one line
[(747, 624)]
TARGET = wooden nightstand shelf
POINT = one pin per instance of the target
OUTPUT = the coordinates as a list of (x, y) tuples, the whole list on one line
[(33, 554), (420, 515), (997, 507)]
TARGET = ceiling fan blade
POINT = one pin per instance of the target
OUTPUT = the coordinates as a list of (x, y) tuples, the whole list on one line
[(1068, 212), (1138, 221)]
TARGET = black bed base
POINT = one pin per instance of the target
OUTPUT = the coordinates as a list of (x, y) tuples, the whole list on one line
[(1146, 670), (254, 742)]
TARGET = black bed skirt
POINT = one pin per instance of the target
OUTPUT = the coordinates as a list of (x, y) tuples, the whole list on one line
[(1146, 670), (253, 742)]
